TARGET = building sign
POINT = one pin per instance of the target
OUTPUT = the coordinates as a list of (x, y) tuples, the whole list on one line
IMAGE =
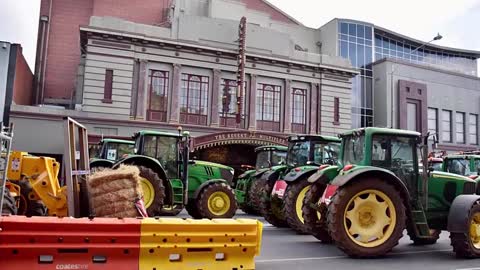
[(251, 138)]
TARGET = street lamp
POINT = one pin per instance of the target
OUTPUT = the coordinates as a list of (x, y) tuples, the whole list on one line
[(395, 67)]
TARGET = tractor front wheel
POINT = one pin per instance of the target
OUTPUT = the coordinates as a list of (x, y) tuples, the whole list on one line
[(192, 209), (366, 218), (153, 191), (172, 210), (316, 220), (29, 205), (217, 200), (9, 206), (293, 202), (271, 206), (467, 244)]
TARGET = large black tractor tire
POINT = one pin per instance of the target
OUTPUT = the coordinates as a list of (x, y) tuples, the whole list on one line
[(292, 206), (366, 218), (155, 208), (247, 208), (27, 206), (254, 195), (432, 239), (467, 244), (192, 209), (171, 211), (316, 221), (9, 206), (217, 200), (271, 208)]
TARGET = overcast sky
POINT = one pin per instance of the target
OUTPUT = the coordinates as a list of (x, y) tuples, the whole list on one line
[(458, 21)]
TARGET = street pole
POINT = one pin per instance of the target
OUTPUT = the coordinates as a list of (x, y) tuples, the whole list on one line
[(241, 68)]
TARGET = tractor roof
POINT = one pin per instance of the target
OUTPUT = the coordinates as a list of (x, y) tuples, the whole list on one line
[(457, 156), (156, 133), (271, 148), (377, 130), (294, 138), (109, 140)]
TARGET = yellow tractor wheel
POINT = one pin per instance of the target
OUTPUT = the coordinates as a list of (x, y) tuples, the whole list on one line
[(293, 202), (217, 200), (316, 221), (153, 191), (467, 244)]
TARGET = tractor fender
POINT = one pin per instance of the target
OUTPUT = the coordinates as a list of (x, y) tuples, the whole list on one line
[(259, 173), (271, 175), (206, 183), (294, 175), (246, 174), (101, 163), (460, 213), (326, 175), (345, 177)]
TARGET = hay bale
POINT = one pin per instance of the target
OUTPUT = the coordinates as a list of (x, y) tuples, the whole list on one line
[(113, 192)]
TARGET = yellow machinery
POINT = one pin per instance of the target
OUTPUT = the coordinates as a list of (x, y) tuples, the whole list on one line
[(38, 183)]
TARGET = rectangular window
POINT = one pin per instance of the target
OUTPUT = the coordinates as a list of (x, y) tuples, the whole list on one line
[(432, 121), (194, 99), (446, 126), (268, 107), (298, 105), (473, 129), (460, 127), (107, 90), (336, 111), (158, 95)]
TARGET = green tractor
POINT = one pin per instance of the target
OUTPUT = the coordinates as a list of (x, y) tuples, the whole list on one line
[(381, 191), (283, 187), (467, 165), (170, 181), (110, 151), (247, 188)]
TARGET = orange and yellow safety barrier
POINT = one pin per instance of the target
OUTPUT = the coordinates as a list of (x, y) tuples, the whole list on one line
[(109, 243)]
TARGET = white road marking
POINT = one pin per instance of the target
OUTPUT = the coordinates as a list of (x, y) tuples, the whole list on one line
[(478, 268), (341, 257)]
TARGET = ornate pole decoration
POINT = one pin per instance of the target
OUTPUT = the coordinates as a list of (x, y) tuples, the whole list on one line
[(242, 31)]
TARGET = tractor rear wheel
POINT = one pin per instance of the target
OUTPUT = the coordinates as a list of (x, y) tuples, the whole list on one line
[(153, 191), (271, 206), (316, 221), (9, 206), (192, 209), (29, 207), (293, 202), (254, 195), (217, 200), (366, 218), (467, 244)]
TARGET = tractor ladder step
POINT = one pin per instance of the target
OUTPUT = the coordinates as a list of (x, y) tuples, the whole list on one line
[(421, 224)]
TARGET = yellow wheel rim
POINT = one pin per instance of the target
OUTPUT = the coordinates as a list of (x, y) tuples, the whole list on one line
[(370, 218), (475, 230), (218, 203), (148, 192), (299, 203)]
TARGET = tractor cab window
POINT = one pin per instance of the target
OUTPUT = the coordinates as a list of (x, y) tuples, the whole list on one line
[(326, 153), (165, 150), (113, 151), (278, 157), (397, 155), (353, 152), (477, 166), (298, 153), (263, 160), (458, 166)]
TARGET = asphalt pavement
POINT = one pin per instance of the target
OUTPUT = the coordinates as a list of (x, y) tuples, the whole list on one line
[(283, 249)]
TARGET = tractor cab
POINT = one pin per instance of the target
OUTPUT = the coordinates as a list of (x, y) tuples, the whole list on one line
[(269, 156), (312, 150), (110, 151), (466, 165)]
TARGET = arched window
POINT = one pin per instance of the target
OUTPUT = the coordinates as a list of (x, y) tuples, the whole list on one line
[(298, 110), (228, 104), (158, 95), (194, 99), (268, 107)]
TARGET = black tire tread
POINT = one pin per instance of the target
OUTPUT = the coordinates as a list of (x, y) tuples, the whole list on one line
[(265, 206), (9, 206), (289, 206), (155, 208), (317, 227), (32, 207), (192, 209), (460, 242), (202, 202)]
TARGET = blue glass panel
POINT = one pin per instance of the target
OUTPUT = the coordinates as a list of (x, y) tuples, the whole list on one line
[(368, 32), (393, 46), (352, 53), (400, 47), (368, 55), (352, 39), (378, 41), (378, 56), (343, 37), (360, 31), (344, 28), (352, 29), (360, 40), (360, 55), (344, 49), (385, 43), (368, 93)]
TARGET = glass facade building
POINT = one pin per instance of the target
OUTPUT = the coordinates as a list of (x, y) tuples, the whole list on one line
[(364, 44)]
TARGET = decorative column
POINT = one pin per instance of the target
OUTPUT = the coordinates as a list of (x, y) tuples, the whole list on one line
[(142, 85), (214, 115), (252, 119), (176, 84), (287, 120), (315, 108), (136, 80)]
